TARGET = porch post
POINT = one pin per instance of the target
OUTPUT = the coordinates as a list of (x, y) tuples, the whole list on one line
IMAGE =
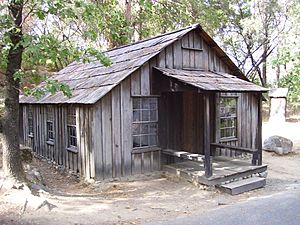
[(257, 157), (259, 130), (207, 160)]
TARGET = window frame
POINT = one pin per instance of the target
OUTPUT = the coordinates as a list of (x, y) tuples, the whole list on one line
[(71, 125), (231, 119), (140, 123), (50, 125), (30, 121)]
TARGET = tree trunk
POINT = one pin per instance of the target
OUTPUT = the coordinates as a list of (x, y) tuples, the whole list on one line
[(12, 164), (264, 64)]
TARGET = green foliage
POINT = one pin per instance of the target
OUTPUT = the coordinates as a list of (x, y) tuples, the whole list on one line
[(54, 33), (49, 86), (288, 56), (292, 82)]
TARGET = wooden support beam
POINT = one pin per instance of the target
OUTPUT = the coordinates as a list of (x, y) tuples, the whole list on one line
[(207, 159), (257, 156), (236, 148), (259, 130)]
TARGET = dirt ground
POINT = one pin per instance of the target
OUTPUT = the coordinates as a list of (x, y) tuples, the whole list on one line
[(138, 199)]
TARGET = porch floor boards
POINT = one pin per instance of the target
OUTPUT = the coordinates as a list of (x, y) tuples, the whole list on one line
[(224, 169)]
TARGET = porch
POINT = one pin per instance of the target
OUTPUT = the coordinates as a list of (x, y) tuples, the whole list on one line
[(225, 170), (207, 121)]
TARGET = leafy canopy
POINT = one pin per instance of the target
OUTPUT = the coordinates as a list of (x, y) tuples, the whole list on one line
[(54, 33)]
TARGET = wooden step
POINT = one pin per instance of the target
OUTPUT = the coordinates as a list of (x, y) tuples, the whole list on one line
[(241, 186)]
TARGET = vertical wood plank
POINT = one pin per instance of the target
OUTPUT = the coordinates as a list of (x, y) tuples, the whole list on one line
[(192, 52), (107, 135), (217, 61), (169, 56), (207, 160), (152, 63), (185, 52), (147, 162), (126, 127), (248, 119), (80, 142), (156, 161), (84, 139), (145, 80), (97, 140), (136, 82), (217, 120), (198, 54), (59, 132), (116, 132), (259, 130), (89, 138), (136, 163), (177, 55), (162, 58), (206, 64)]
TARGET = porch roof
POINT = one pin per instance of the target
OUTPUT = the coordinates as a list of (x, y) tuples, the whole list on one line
[(212, 81)]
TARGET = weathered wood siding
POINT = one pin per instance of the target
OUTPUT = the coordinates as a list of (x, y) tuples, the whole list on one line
[(181, 121), (191, 52), (247, 123), (57, 151), (112, 131)]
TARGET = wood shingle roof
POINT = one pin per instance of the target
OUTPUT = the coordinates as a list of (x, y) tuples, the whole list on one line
[(212, 81), (91, 81)]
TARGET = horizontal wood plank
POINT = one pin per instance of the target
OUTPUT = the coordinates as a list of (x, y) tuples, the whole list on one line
[(184, 155), (236, 148)]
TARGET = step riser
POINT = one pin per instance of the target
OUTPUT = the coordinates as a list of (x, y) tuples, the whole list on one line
[(236, 189), (210, 182)]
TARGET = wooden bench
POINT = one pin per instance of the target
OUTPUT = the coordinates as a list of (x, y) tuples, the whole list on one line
[(184, 155)]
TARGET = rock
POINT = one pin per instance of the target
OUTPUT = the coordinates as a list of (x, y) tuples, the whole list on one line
[(278, 144), (263, 174), (26, 154)]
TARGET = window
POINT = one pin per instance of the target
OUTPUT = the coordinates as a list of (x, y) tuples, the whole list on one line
[(144, 127), (71, 127), (30, 121), (50, 128), (228, 117)]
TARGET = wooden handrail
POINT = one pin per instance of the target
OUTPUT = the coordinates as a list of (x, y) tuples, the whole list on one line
[(236, 148)]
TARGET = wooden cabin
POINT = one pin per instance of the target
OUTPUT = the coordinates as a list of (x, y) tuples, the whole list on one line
[(166, 99)]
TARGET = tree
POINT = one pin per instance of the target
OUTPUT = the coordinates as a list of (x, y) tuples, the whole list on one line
[(287, 59), (37, 34), (252, 33), (11, 160)]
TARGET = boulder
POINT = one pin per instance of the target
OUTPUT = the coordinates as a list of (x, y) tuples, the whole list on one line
[(278, 144)]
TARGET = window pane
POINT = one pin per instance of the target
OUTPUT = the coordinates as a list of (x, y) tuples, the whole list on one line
[(145, 103), (145, 129), (136, 141), (136, 129), (145, 115), (153, 115), (136, 115), (153, 128), (153, 103), (152, 140), (136, 103), (144, 141)]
